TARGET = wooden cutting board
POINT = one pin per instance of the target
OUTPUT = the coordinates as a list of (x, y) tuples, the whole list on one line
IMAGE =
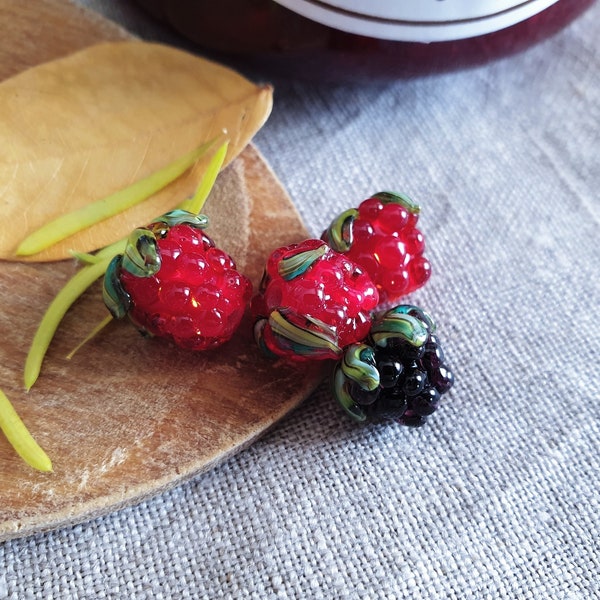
[(128, 417)]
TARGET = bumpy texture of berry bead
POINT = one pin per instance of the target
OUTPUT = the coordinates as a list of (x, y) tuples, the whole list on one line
[(398, 373), (196, 297), (312, 302), (381, 236)]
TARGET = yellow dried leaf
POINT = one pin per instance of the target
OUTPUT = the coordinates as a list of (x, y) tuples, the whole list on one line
[(80, 128)]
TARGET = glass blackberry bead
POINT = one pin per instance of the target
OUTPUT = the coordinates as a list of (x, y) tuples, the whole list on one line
[(400, 363)]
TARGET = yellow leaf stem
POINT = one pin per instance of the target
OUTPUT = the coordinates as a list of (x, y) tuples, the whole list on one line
[(19, 437), (85, 258), (54, 314), (196, 202), (93, 333), (68, 224)]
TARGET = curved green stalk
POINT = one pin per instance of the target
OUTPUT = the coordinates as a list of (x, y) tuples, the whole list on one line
[(66, 225), (19, 437), (95, 331), (196, 202), (54, 314), (85, 258)]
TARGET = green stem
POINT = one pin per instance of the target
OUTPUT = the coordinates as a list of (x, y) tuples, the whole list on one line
[(19, 437), (66, 225), (85, 258), (196, 202), (94, 332), (54, 314)]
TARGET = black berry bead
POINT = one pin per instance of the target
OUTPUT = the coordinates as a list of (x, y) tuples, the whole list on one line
[(391, 404), (426, 402), (390, 370), (362, 396), (407, 351), (398, 373), (412, 420), (415, 381), (433, 356), (443, 379)]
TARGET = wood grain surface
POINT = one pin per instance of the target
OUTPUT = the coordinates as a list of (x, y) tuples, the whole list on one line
[(128, 417)]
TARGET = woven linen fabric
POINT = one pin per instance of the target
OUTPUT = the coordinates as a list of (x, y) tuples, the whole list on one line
[(497, 496)]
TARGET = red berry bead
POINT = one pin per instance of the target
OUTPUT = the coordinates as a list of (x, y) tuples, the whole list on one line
[(312, 303), (195, 297), (381, 236)]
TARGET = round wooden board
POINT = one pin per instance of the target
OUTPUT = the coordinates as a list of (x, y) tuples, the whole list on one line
[(129, 417)]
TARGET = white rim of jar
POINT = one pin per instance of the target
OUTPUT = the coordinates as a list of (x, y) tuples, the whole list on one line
[(418, 20)]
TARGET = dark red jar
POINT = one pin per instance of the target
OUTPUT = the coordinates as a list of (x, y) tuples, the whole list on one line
[(363, 39)]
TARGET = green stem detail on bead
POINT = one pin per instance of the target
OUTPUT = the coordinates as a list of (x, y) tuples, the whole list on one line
[(339, 234), (340, 392), (180, 216), (259, 337), (141, 257), (307, 336), (398, 198), (359, 365), (297, 264), (414, 311), (116, 299), (393, 325)]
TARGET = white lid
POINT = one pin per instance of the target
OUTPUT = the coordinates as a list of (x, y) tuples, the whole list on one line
[(418, 20)]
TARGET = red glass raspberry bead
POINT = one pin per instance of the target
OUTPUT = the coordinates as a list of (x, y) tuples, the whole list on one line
[(312, 303), (196, 298), (382, 237)]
